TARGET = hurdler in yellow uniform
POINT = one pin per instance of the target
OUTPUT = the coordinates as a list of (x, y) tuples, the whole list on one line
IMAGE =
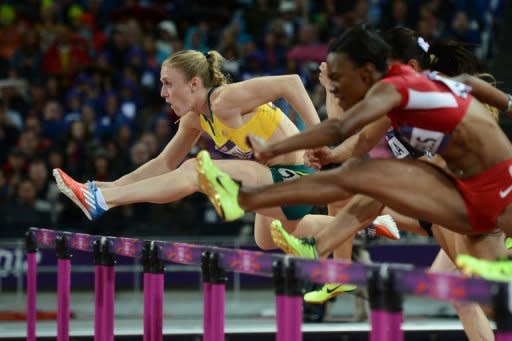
[(232, 142)]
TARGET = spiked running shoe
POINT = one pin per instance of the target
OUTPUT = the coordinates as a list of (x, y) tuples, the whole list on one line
[(306, 248), (327, 292), (385, 226), (499, 270), (290, 244), (220, 188), (83, 195), (508, 243)]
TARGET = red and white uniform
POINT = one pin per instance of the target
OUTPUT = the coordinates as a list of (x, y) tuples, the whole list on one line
[(432, 106)]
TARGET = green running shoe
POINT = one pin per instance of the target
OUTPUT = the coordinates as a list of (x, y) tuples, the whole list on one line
[(220, 188), (290, 244), (328, 291), (499, 270), (306, 248), (508, 243)]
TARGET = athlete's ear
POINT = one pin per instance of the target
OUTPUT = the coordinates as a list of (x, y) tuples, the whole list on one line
[(414, 64), (195, 83)]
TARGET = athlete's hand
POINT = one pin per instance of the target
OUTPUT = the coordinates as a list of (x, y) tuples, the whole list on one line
[(259, 147), (323, 77), (318, 157)]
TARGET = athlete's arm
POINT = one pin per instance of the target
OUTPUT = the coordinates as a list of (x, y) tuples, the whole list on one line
[(380, 99), (172, 155), (486, 92), (246, 95), (362, 142)]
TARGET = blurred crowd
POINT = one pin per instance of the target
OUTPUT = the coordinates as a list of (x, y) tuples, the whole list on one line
[(80, 90)]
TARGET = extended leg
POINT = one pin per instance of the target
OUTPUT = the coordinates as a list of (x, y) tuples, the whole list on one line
[(412, 183)]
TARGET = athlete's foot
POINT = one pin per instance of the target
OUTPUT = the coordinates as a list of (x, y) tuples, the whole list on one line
[(83, 195), (500, 270), (385, 226), (327, 292), (382, 226), (220, 188), (292, 245)]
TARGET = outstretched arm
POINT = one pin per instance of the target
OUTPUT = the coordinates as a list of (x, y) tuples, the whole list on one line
[(172, 155), (362, 142), (245, 96), (380, 99), (487, 93)]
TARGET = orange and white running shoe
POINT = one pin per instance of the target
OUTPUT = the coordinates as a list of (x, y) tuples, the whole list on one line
[(385, 226), (83, 195)]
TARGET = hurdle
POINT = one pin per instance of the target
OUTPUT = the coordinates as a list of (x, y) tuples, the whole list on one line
[(387, 284)]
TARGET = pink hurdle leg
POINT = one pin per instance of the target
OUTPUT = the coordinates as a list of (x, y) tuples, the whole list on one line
[(294, 313), (63, 299), (217, 310), (148, 306), (109, 302), (207, 311), (158, 306), (99, 302), (31, 296), (281, 318)]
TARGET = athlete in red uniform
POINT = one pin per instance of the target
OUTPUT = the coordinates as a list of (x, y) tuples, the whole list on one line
[(432, 113)]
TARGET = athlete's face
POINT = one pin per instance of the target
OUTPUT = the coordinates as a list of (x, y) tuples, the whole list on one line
[(176, 90), (349, 82)]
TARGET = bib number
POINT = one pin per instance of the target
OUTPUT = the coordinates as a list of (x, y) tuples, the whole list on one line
[(397, 148), (426, 140), (287, 174)]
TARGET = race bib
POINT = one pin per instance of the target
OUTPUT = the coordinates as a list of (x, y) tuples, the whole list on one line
[(288, 174), (397, 148), (426, 140)]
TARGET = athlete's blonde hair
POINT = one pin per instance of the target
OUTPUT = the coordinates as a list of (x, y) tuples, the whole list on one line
[(206, 66)]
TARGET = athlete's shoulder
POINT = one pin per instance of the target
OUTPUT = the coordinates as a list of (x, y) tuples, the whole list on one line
[(402, 74)]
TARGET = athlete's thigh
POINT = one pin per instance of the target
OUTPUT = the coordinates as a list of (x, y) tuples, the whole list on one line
[(414, 188), (486, 246), (250, 173)]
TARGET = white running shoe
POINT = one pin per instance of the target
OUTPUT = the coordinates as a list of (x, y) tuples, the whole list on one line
[(385, 226)]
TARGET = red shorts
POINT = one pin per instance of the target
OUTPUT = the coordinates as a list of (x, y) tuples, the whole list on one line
[(486, 195)]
